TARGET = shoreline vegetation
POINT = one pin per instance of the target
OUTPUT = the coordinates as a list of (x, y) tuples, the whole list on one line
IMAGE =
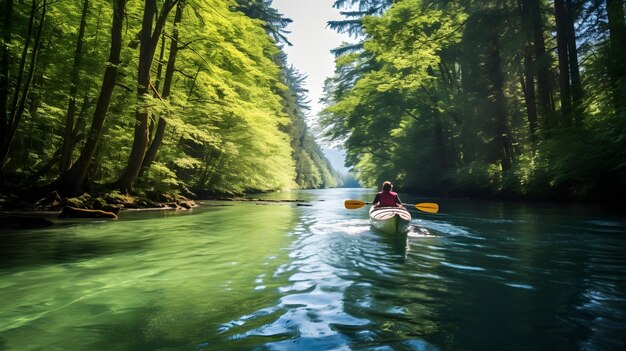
[(147, 100), (19, 213), (155, 103)]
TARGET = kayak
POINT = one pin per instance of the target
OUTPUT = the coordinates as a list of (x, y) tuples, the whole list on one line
[(390, 220)]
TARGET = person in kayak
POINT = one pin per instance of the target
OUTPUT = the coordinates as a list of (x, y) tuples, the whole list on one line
[(387, 198)]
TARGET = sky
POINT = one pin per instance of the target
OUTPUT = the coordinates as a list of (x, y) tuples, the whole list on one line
[(310, 53)]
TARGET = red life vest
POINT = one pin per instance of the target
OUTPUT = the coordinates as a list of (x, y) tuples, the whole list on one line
[(387, 198)]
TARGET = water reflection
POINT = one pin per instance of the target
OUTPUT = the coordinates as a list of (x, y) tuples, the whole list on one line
[(166, 282)]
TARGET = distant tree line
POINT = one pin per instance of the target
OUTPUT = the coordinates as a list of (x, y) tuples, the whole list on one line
[(517, 99)]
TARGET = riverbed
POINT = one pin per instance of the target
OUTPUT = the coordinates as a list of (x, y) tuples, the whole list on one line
[(480, 275)]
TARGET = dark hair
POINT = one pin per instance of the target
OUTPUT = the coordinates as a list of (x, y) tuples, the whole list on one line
[(387, 186)]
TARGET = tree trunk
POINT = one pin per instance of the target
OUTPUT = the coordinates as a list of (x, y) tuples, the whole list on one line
[(617, 53), (167, 84), (528, 75), (440, 143), (542, 65), (66, 153), (4, 72), (502, 141), (530, 99), (18, 101), (572, 52), (72, 181), (148, 43), (159, 70), (564, 72)]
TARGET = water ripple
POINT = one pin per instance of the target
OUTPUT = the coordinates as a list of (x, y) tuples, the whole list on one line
[(480, 275)]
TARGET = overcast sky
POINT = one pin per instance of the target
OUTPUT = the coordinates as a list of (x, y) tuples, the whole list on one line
[(310, 53)]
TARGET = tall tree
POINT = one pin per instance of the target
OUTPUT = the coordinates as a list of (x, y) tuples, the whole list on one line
[(68, 140), (528, 75), (72, 181), (502, 134), (5, 59), (565, 90), (617, 53), (571, 93), (542, 64), (11, 120), (574, 67), (167, 85), (152, 26), (273, 21)]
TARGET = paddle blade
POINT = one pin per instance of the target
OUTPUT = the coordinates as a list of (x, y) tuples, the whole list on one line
[(354, 204), (429, 207)]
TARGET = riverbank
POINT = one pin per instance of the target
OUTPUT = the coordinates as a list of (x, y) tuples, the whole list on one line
[(22, 212), (18, 212)]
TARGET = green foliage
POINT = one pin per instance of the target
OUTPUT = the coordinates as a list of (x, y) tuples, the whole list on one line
[(313, 170), (234, 114), (409, 39), (583, 166), (476, 179), (161, 178), (438, 101)]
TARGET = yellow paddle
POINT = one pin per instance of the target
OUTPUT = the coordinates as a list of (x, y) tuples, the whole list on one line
[(429, 207)]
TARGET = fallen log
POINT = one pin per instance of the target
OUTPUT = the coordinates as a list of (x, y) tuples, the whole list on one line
[(74, 212)]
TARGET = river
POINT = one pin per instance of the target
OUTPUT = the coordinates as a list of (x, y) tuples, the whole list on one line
[(479, 275)]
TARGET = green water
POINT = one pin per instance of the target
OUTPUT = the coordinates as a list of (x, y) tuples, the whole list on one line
[(478, 276)]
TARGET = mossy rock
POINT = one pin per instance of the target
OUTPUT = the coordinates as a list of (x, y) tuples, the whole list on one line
[(189, 204), (116, 198), (82, 201), (145, 202)]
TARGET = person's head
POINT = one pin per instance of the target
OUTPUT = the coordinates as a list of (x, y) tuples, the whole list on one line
[(387, 186)]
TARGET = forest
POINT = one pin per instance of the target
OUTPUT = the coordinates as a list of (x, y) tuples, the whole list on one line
[(191, 97), (498, 99), (521, 99)]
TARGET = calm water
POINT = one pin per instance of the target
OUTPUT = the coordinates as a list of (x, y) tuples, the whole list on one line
[(478, 276)]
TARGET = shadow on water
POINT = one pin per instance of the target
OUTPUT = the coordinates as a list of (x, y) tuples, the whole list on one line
[(58, 248), (65, 242), (38, 247)]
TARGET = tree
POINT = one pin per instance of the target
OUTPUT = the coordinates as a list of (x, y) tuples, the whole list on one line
[(273, 21), (12, 114), (569, 75), (68, 136), (152, 26), (5, 58), (617, 53), (72, 181), (167, 85)]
